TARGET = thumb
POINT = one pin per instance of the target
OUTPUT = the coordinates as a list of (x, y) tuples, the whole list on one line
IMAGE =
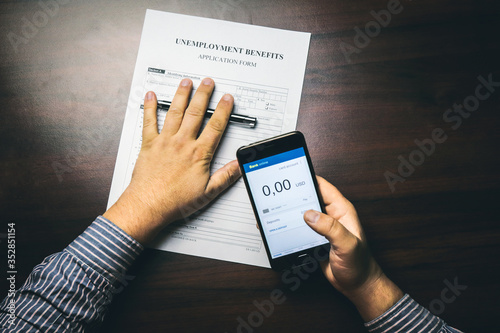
[(341, 239), (223, 178)]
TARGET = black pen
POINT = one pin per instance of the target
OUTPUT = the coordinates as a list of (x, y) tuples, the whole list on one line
[(233, 118)]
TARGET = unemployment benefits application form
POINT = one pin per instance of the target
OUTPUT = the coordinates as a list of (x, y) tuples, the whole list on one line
[(262, 68)]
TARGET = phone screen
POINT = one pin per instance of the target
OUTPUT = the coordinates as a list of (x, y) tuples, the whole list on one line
[(283, 190)]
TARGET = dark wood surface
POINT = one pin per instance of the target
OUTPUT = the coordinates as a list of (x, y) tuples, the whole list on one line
[(63, 95)]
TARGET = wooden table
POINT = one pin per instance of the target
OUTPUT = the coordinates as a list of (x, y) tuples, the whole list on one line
[(65, 85)]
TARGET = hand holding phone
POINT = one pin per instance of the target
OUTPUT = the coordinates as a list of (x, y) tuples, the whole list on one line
[(281, 184), (351, 269)]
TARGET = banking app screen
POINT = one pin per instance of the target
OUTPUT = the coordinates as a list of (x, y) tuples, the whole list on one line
[(283, 190)]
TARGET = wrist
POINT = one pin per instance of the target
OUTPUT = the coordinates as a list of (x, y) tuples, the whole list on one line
[(375, 296), (134, 217)]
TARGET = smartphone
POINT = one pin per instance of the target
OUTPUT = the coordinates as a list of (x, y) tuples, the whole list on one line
[(282, 186)]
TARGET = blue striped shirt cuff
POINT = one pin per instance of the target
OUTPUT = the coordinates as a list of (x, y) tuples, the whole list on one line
[(406, 316), (107, 249)]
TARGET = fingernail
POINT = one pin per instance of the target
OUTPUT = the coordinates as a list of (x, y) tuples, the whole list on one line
[(311, 216), (227, 97), (185, 82), (207, 81), (149, 96)]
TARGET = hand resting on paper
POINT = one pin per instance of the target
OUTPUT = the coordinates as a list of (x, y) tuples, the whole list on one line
[(171, 178)]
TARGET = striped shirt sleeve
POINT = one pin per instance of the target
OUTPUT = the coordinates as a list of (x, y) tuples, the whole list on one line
[(70, 291), (408, 316)]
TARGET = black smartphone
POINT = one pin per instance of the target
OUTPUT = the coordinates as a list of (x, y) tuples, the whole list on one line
[(281, 184)]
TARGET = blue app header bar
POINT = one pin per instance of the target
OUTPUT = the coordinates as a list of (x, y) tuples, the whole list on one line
[(272, 160)]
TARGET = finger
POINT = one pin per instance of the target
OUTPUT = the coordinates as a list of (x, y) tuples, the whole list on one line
[(338, 205), (150, 123), (339, 237), (212, 133), (222, 179), (329, 192), (195, 112), (176, 110), (327, 270)]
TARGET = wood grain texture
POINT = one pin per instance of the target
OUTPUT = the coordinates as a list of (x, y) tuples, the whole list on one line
[(63, 95)]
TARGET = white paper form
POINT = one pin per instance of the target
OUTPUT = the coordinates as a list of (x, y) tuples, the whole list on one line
[(262, 68)]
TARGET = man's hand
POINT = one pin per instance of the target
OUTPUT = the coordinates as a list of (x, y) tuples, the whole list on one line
[(171, 178), (351, 269)]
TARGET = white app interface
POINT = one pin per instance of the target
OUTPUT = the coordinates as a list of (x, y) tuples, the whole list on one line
[(283, 190)]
